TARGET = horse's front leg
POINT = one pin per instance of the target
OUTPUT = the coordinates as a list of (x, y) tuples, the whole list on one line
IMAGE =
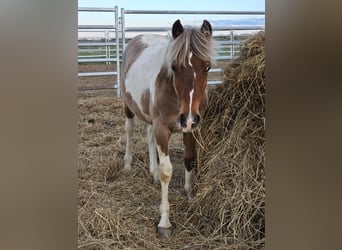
[(190, 162), (162, 136)]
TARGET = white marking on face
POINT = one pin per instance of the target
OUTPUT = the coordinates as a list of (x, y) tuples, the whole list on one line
[(192, 90), (190, 103), (189, 119)]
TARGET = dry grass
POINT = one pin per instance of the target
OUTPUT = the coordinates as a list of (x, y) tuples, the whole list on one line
[(231, 190), (120, 210)]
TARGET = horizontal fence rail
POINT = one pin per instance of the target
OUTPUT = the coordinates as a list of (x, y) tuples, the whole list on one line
[(94, 9), (109, 49)]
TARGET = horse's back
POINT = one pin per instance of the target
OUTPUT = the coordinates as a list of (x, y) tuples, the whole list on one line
[(142, 47), (142, 61)]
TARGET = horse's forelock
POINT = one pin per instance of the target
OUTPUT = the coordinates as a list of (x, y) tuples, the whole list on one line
[(190, 40)]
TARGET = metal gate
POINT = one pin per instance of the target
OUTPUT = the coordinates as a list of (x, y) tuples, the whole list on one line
[(100, 51), (122, 30)]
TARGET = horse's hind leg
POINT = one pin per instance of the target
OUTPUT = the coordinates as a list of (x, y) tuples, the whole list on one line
[(129, 128), (152, 150)]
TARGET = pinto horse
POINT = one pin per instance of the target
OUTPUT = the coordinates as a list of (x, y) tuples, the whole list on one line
[(164, 83)]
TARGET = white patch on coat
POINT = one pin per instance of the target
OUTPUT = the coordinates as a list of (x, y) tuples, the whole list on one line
[(144, 71), (165, 169)]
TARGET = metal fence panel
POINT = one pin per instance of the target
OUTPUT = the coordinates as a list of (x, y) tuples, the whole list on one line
[(91, 49), (110, 50)]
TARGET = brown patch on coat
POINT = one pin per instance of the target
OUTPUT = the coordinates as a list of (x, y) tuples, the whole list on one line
[(145, 101), (129, 114), (167, 106), (166, 99), (190, 154), (162, 135), (133, 106)]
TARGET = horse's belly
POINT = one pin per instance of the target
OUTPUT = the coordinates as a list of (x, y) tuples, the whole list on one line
[(139, 106)]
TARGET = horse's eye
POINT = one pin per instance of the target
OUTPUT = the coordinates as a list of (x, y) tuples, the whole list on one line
[(173, 68), (207, 69)]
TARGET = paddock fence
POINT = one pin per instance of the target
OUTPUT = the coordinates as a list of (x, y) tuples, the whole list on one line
[(112, 39)]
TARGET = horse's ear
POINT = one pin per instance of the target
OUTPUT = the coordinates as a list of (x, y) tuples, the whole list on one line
[(177, 29), (206, 29)]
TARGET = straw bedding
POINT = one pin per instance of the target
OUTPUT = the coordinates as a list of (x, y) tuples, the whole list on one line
[(120, 210), (231, 189)]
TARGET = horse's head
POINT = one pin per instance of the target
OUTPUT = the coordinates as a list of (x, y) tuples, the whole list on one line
[(191, 60)]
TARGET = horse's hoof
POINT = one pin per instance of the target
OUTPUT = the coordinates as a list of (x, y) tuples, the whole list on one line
[(126, 168), (164, 232), (190, 197), (156, 181)]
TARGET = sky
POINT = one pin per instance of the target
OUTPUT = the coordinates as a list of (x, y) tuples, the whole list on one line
[(178, 4), (165, 20)]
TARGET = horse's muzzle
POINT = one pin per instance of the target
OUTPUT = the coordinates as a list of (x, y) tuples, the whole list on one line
[(189, 123)]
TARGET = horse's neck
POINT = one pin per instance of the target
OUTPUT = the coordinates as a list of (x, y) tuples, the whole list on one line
[(164, 82), (165, 93)]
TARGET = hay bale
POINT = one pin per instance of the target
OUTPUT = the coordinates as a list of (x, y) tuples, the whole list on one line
[(230, 199)]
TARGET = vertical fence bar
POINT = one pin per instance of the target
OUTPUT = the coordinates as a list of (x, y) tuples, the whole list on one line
[(107, 46), (123, 25), (232, 44), (123, 41), (118, 86)]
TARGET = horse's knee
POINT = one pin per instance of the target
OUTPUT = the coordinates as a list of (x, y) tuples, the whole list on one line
[(165, 169)]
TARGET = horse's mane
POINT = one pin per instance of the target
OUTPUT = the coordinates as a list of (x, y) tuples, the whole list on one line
[(191, 40)]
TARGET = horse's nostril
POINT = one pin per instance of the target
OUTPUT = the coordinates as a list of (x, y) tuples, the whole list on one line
[(182, 120), (195, 121)]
